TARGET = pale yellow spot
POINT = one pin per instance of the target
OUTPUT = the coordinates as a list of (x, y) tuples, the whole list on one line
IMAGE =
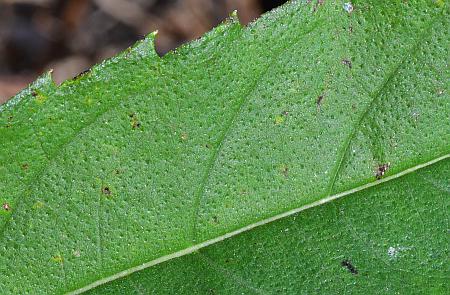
[(279, 119), (58, 259), (38, 205), (88, 101), (40, 98)]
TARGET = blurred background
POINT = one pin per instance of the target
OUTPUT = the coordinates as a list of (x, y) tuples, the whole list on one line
[(70, 36)]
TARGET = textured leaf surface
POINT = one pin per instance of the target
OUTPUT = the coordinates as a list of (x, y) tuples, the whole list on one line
[(145, 157)]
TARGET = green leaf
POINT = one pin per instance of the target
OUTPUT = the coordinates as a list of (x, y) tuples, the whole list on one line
[(212, 154)]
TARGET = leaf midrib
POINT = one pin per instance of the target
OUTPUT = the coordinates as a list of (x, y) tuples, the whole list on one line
[(53, 156), (249, 227), (410, 51)]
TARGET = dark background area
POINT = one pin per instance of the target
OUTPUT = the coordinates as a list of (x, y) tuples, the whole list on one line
[(69, 36)]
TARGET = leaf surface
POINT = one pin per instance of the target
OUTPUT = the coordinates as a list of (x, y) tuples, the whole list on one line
[(145, 157)]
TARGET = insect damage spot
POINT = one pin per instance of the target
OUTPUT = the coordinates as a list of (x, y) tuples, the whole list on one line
[(347, 62), (39, 98), (319, 101), (381, 170), (135, 123), (25, 166), (6, 207), (347, 264), (284, 170), (106, 191)]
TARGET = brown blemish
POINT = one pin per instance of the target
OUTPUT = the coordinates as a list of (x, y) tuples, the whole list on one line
[(135, 124), (6, 207), (347, 62), (284, 170), (25, 166), (381, 170), (106, 191), (184, 136), (346, 263), (34, 93), (319, 101)]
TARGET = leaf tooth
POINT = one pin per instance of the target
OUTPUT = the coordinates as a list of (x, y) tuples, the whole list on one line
[(233, 17), (144, 48)]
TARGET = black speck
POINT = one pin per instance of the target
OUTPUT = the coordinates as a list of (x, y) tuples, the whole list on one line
[(6, 207), (81, 74), (381, 170), (106, 190), (346, 263), (347, 62), (319, 100)]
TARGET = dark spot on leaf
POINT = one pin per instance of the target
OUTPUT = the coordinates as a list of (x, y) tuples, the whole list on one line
[(284, 170), (215, 219), (350, 29), (81, 74), (381, 170), (347, 62), (207, 146), (6, 207), (10, 118), (346, 263), (25, 166), (106, 190), (34, 93), (320, 100), (135, 124)]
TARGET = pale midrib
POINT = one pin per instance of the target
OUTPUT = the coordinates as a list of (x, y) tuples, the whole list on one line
[(330, 197), (249, 227)]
